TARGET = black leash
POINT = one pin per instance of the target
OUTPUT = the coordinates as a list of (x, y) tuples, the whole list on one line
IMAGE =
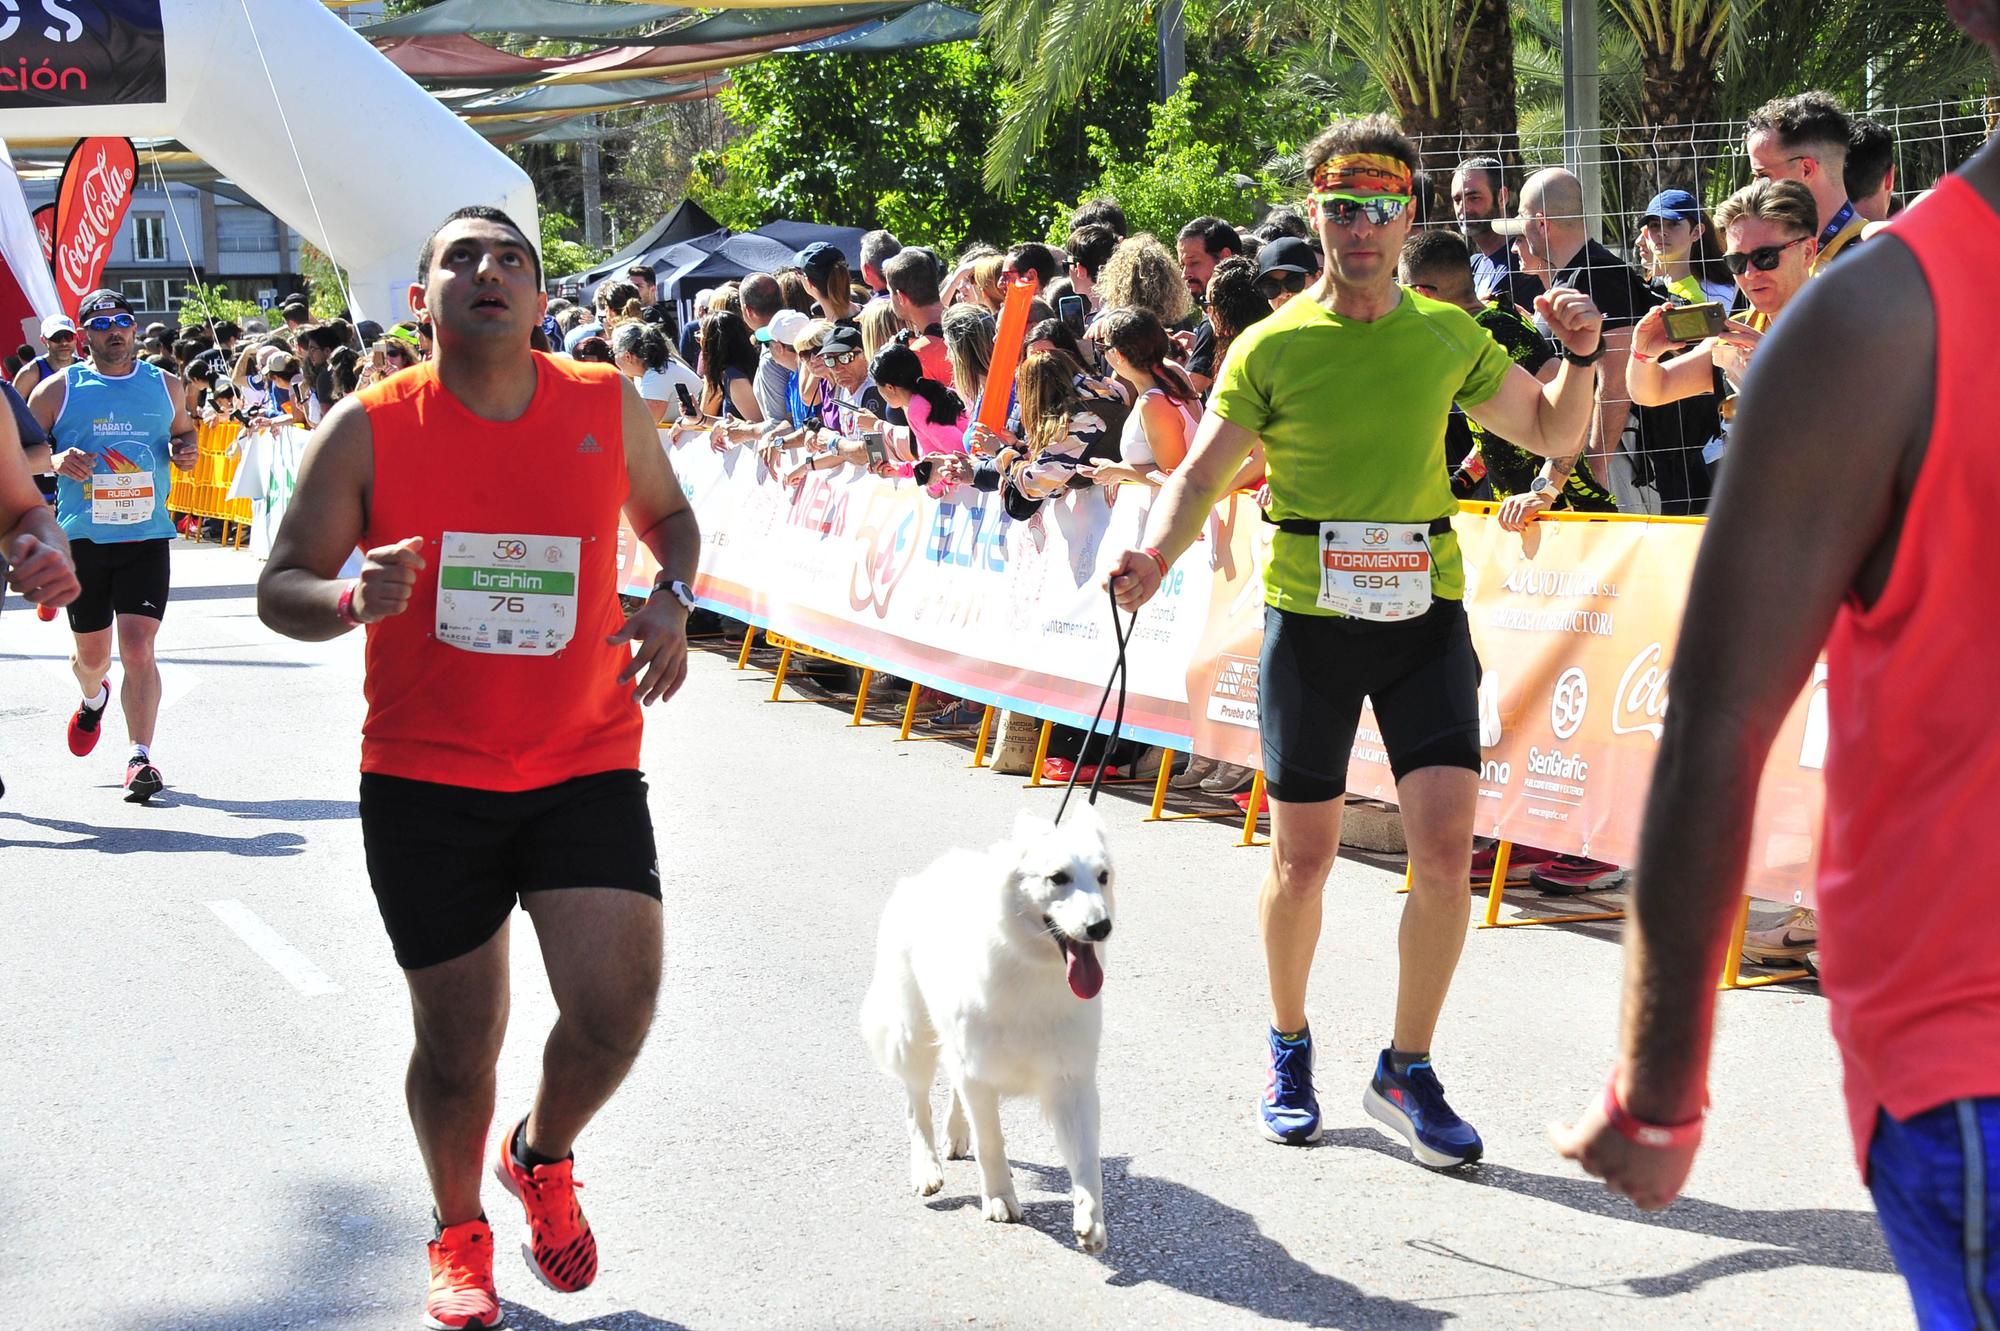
[(1122, 631)]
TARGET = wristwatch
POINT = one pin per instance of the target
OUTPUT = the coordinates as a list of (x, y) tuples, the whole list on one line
[(1591, 359), (1545, 487), (680, 590)]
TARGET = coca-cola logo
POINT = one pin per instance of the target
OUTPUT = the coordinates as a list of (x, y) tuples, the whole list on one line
[(91, 202), (1642, 693), (45, 230)]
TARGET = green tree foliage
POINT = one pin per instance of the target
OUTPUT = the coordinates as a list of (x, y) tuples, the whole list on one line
[(561, 254), (897, 141), (210, 304), (1173, 176)]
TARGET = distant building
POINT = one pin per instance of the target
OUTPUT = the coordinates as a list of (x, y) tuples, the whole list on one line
[(183, 234)]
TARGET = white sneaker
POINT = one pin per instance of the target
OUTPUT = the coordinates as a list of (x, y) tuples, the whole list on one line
[(1228, 779), (1788, 940)]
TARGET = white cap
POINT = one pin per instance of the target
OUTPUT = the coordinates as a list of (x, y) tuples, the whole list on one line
[(785, 327), (57, 323)]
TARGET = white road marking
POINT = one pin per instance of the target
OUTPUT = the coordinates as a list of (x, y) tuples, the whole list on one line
[(287, 960)]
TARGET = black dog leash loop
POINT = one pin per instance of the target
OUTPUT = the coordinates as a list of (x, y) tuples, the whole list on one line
[(1121, 630)]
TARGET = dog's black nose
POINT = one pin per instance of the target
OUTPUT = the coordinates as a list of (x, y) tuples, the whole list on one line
[(1100, 931)]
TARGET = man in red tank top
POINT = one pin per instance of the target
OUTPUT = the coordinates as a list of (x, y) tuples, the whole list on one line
[(500, 753), (1864, 470)]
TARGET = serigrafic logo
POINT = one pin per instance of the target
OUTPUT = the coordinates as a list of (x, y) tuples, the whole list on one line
[(510, 551), (1568, 702), (1375, 536)]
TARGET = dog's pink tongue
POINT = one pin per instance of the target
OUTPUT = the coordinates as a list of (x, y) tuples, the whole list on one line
[(1085, 971)]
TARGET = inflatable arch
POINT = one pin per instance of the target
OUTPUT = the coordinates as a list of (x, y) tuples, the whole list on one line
[(386, 162)]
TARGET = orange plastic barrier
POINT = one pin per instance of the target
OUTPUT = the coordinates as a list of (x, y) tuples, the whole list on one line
[(203, 492)]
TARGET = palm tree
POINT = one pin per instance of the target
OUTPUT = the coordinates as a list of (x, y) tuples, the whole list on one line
[(1445, 67)]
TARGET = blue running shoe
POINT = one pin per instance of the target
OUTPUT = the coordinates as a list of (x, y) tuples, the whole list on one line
[(1289, 1111), (1413, 1105)]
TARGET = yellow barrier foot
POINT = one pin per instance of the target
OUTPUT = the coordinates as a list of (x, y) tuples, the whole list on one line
[(749, 639), (1251, 810), (1160, 785), (985, 733), (784, 664), (1041, 752)]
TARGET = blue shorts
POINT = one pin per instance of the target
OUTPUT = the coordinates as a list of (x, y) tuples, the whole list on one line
[(1936, 1180)]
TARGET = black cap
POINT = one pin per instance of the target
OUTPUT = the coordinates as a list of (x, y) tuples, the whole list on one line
[(818, 259), (1287, 254), (369, 330), (103, 301), (844, 337)]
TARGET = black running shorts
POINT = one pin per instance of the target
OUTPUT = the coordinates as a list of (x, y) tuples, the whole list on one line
[(119, 578), (1421, 674), (448, 862)]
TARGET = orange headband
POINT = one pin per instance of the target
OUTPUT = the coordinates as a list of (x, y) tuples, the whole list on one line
[(1370, 171)]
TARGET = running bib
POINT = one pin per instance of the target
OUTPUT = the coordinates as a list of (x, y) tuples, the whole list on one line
[(509, 594), (121, 498), (1375, 570)]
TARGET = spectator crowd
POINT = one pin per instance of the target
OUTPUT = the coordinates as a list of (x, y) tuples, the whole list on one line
[(880, 360)]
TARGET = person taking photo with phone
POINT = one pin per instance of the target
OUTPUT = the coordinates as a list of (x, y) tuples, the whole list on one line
[(1769, 227)]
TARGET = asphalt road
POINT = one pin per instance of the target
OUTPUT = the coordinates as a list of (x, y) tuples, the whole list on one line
[(201, 1137)]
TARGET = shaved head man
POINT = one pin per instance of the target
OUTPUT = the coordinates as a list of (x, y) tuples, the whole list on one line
[(1553, 243)]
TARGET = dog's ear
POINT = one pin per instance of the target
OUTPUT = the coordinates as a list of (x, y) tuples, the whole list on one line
[(1030, 827), (1086, 821)]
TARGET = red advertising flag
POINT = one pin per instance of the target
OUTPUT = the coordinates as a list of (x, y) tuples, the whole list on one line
[(44, 219), (96, 190)]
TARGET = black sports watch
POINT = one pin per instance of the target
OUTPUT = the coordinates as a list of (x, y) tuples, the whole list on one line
[(1591, 359), (681, 591)]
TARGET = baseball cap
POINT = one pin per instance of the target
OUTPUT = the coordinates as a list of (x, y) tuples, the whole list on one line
[(1674, 203), (57, 323), (579, 333), (103, 301), (818, 259), (784, 328), (844, 337), (368, 331), (1287, 254)]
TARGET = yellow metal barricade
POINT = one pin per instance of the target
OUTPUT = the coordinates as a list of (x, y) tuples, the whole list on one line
[(202, 493)]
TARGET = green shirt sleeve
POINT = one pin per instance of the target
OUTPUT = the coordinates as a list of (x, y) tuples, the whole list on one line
[(1242, 393)]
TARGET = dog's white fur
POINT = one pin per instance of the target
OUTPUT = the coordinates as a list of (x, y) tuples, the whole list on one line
[(967, 968)]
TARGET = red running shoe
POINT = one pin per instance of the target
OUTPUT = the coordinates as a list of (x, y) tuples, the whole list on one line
[(462, 1296), (1524, 861), (83, 725), (562, 1250)]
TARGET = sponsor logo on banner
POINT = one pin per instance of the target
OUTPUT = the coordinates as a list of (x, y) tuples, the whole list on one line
[(1233, 700), (81, 53), (96, 190), (44, 219), (1568, 702), (1642, 693)]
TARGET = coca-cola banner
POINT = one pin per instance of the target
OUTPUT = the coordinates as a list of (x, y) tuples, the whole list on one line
[(96, 190), (44, 219), (1575, 622), (81, 53)]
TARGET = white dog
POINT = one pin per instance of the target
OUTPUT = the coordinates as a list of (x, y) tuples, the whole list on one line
[(991, 959)]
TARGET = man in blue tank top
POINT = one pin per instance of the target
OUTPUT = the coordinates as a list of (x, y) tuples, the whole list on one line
[(117, 427)]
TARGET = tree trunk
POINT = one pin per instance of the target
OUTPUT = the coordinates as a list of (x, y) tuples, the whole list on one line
[(1487, 119), (1675, 101)]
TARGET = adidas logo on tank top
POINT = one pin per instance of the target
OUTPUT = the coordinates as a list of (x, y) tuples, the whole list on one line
[(589, 445)]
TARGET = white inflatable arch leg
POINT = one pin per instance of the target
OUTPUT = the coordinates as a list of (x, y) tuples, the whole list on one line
[(385, 161)]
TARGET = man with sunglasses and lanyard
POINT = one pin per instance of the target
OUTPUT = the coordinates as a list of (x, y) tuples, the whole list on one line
[(116, 426), (1348, 388)]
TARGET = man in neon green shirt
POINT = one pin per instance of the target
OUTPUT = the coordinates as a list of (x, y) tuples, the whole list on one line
[(1348, 389)]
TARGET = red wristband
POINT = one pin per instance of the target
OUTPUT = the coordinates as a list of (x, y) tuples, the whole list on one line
[(1659, 1136), (344, 607), (1153, 553), (1642, 358)]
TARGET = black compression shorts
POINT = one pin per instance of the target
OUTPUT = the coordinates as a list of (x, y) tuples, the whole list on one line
[(448, 862), (1422, 676), (119, 578)]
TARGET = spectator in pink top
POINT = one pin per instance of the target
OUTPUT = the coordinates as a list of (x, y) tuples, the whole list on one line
[(935, 416)]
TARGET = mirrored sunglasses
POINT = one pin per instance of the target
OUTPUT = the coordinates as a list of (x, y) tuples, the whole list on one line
[(1379, 209), (106, 322), (841, 357)]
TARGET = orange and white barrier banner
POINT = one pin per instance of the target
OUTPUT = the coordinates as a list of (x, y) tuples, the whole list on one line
[(1575, 623)]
